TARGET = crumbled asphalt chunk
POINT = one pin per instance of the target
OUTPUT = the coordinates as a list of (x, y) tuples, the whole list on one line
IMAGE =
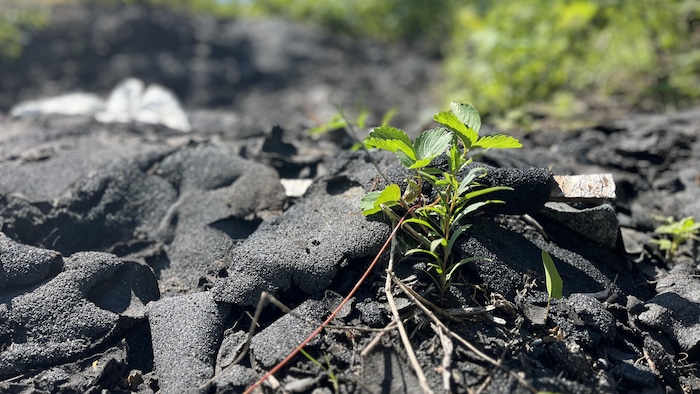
[(506, 254), (273, 343), (232, 380), (385, 371), (592, 312), (598, 223), (531, 189), (78, 147), (632, 375), (675, 310), (186, 332), (304, 247), (102, 370), (235, 193), (55, 322), (122, 201), (20, 219), (663, 362), (23, 265)]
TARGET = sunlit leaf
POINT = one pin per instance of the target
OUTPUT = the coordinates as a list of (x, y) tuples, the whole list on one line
[(552, 278), (452, 122), (467, 114), (432, 143), (372, 201), (437, 242), (393, 140), (497, 141), (388, 116)]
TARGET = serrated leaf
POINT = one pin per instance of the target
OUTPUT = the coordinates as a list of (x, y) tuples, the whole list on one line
[(408, 161), (391, 139), (372, 201), (452, 122), (552, 278), (497, 141), (432, 143), (467, 114)]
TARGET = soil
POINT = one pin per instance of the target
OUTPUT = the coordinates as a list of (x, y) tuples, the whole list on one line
[(133, 255)]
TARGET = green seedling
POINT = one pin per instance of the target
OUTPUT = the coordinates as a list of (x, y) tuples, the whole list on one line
[(436, 225), (328, 370), (552, 279), (340, 121), (674, 233)]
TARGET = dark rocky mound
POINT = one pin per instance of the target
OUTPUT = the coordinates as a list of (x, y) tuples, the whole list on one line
[(131, 254)]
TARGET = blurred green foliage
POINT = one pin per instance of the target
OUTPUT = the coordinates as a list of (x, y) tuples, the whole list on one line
[(17, 19), (508, 55), (514, 59)]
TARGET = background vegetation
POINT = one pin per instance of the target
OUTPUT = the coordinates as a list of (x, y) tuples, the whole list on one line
[(520, 61)]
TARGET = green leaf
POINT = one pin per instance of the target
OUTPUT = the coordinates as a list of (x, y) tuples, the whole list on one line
[(361, 118), (405, 159), (455, 236), (431, 144), (422, 223), (481, 192), (371, 202), (428, 252), (436, 243), (467, 114), (393, 140), (452, 122), (473, 207), (554, 282), (497, 141), (388, 116), (454, 267)]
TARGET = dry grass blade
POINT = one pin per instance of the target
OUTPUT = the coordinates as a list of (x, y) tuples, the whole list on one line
[(461, 340), (447, 348), (399, 324)]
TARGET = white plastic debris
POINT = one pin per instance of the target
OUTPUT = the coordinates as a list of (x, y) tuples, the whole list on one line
[(68, 104), (129, 101), (156, 105), (295, 187)]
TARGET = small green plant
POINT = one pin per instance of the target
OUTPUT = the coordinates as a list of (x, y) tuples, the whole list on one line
[(552, 279), (455, 185), (329, 370), (673, 233)]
